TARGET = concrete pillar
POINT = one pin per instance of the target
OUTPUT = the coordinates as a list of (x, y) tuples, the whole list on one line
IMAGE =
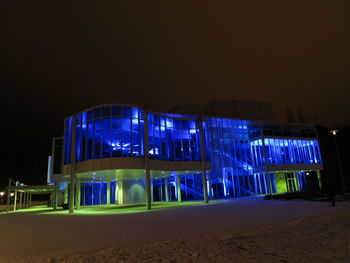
[(269, 183), (120, 192), (108, 191), (77, 194), (147, 168), (30, 201), (319, 178), (152, 194), (203, 161), (116, 192), (72, 176), (24, 200), (15, 201), (20, 200), (296, 181), (166, 189), (178, 188), (161, 192), (55, 199)]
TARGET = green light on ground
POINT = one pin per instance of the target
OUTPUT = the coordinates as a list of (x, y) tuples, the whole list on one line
[(125, 209)]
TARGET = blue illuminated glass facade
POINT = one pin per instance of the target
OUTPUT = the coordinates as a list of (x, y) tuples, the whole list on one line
[(118, 131), (241, 152), (285, 151)]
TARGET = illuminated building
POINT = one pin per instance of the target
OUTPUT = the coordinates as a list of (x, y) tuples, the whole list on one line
[(118, 147)]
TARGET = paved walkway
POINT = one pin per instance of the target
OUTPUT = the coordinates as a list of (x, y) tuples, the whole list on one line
[(35, 234)]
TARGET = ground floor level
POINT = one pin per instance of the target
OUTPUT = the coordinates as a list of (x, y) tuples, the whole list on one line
[(183, 186)]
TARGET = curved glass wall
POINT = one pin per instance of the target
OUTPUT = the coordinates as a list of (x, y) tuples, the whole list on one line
[(118, 131), (105, 132)]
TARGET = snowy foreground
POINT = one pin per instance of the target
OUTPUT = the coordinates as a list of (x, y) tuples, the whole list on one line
[(239, 230)]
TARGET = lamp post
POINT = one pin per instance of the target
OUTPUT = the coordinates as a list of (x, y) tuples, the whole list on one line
[(334, 133)]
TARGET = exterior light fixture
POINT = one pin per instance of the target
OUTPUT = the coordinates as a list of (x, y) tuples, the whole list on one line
[(2, 193), (12, 194), (334, 132)]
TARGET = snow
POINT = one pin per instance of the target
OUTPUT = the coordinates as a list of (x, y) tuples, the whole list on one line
[(238, 230)]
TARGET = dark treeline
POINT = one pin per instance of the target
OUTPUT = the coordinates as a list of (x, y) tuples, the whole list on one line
[(330, 174)]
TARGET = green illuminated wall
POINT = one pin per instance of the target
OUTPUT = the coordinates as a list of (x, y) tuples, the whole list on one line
[(281, 184)]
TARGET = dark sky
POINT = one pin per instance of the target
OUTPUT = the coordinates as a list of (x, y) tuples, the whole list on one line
[(57, 58)]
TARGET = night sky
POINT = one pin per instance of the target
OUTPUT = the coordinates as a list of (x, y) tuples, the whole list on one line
[(59, 58)]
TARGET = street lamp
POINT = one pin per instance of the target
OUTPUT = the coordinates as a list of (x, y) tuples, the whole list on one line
[(334, 132)]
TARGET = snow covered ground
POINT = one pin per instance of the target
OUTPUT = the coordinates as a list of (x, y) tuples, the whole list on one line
[(238, 230)]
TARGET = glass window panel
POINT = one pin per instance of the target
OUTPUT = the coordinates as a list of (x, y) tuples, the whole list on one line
[(106, 112), (126, 111), (116, 111), (135, 138), (126, 133), (116, 141), (106, 138), (97, 113), (90, 115), (90, 133), (97, 139)]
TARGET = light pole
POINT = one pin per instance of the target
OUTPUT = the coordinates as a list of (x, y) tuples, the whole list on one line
[(334, 132)]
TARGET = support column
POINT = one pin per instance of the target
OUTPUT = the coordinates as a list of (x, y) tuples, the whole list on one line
[(55, 196), (108, 191), (77, 194), (20, 200), (147, 168), (120, 192), (166, 189), (152, 195), (203, 161), (15, 201), (178, 188), (296, 180), (269, 182), (161, 192), (72, 176), (116, 192), (30, 201), (24, 200), (319, 178)]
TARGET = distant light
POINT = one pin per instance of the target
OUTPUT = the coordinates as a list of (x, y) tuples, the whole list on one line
[(334, 132), (307, 173), (12, 194), (2, 193)]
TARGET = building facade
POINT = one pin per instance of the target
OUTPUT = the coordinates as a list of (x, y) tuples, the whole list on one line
[(116, 154)]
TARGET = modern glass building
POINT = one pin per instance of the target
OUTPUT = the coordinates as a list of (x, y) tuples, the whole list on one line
[(116, 154)]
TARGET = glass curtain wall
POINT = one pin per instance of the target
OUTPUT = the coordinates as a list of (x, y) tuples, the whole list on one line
[(105, 132), (173, 139), (229, 153), (285, 151), (118, 131)]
